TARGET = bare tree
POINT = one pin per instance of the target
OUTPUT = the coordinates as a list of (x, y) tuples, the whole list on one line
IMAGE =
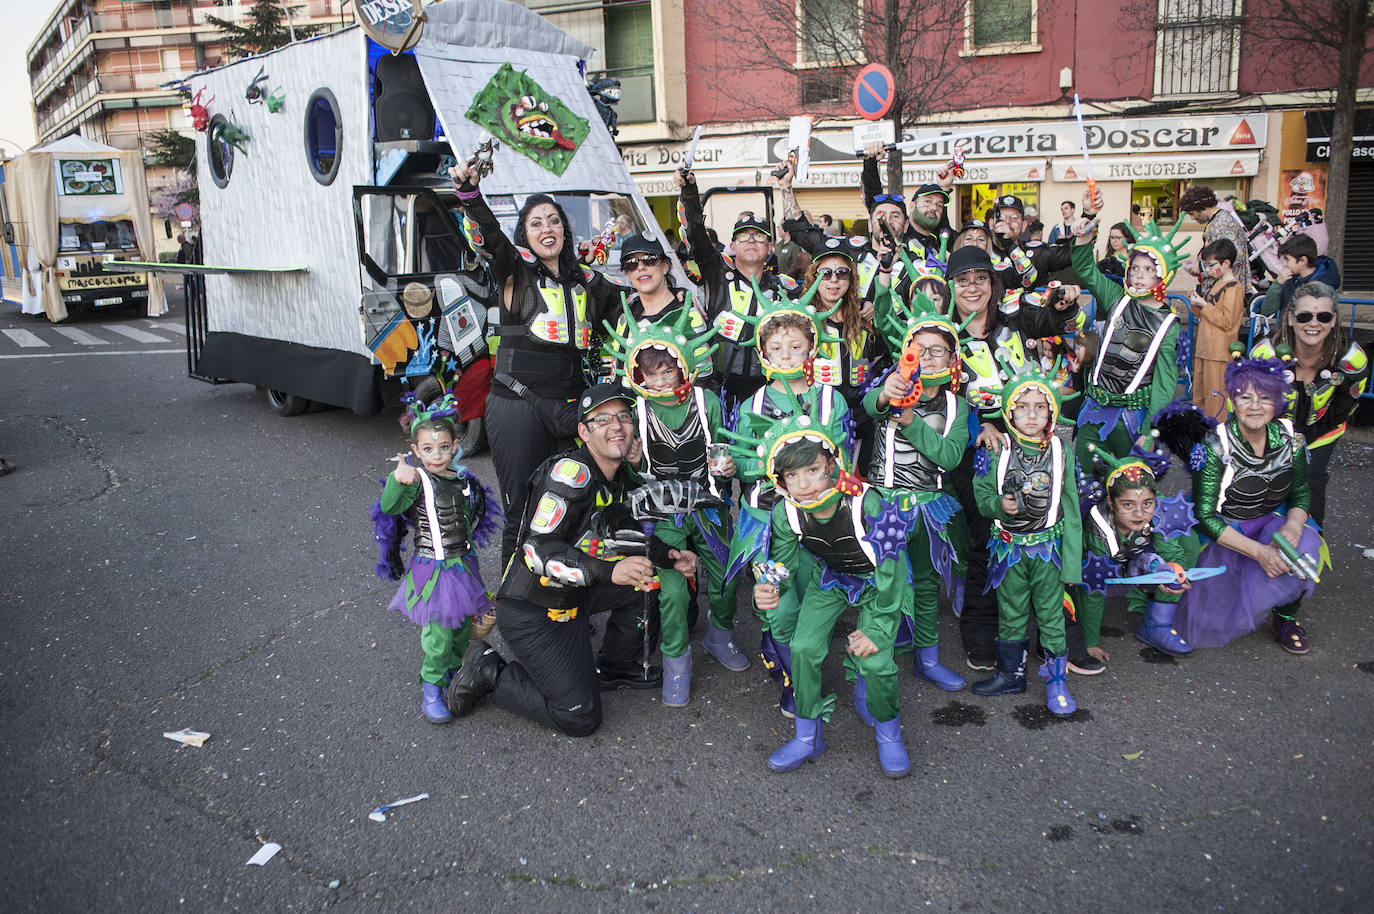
[(1303, 42), (824, 43)]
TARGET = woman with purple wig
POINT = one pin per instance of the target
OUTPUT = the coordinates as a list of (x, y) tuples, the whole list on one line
[(1251, 497)]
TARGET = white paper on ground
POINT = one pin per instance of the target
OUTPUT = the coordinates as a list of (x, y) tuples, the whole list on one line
[(265, 853)]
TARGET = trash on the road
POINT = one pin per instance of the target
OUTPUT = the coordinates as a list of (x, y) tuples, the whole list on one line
[(265, 853), (334, 884), (379, 814), (188, 737), (1132, 756), (1368, 553)]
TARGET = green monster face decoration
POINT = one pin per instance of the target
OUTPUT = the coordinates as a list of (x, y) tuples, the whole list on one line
[(1159, 248), (671, 336), (801, 425), (519, 113)]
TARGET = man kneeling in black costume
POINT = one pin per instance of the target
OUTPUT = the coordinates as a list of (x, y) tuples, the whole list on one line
[(579, 510)]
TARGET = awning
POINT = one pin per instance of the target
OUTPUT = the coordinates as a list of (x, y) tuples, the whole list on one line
[(1160, 168), (925, 171), (660, 184)]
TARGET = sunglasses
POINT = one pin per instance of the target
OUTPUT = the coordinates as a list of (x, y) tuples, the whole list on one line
[(837, 272), (751, 237), (634, 263), (1321, 317), (889, 198)]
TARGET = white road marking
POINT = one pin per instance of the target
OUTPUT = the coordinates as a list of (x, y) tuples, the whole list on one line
[(170, 326), (24, 339), (133, 333), (63, 355), (81, 336)]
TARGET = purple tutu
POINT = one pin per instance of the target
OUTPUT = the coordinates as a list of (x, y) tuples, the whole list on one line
[(448, 592), (1218, 610)]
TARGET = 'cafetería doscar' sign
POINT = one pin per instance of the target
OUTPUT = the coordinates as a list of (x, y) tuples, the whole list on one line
[(394, 24)]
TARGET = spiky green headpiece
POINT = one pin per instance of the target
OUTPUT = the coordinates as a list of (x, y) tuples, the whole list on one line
[(768, 310), (1161, 249), (1022, 379), (801, 424), (672, 334), (1111, 468), (924, 316)]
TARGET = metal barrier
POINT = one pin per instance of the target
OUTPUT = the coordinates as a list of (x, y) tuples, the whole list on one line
[(196, 326)]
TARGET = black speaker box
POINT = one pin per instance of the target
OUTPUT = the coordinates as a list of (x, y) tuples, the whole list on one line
[(400, 106)]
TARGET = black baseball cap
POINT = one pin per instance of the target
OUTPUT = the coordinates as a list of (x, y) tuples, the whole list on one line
[(967, 258), (932, 189), (1007, 201), (850, 248), (603, 393), (751, 222), (641, 243)]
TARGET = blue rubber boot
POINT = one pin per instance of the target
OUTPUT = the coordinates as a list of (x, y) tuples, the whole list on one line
[(787, 702), (807, 744), (1157, 630), (1057, 699), (720, 644), (929, 668), (432, 704), (861, 701), (891, 750), (677, 680), (1010, 678)]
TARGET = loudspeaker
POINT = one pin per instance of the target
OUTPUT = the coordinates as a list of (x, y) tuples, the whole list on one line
[(400, 106)]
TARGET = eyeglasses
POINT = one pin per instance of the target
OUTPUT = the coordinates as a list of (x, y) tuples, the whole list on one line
[(836, 272), (751, 237), (889, 198), (936, 352), (605, 419), (634, 263), (1253, 399), (979, 279), (1321, 317)]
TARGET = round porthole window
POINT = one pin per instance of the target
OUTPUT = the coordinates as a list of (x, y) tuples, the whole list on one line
[(219, 152), (323, 135)]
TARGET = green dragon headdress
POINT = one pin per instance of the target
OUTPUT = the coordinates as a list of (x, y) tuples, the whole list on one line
[(1159, 248), (771, 310), (800, 426), (1021, 380), (671, 335)]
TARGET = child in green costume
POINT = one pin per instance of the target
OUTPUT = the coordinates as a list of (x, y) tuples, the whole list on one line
[(856, 537), (1029, 492), (787, 335), (678, 423)]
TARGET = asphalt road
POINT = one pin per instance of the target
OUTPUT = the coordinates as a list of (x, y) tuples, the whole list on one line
[(177, 556)]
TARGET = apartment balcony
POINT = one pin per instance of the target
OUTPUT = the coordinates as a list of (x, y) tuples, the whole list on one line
[(60, 56)]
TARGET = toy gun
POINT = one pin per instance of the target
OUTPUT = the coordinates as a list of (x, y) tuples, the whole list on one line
[(1054, 292), (955, 166), (664, 498), (1298, 564), (785, 164), (480, 160), (769, 571), (601, 245), (909, 367)]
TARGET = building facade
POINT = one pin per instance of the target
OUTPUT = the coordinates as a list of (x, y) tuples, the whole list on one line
[(102, 68)]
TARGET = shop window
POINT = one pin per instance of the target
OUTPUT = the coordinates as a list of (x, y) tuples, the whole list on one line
[(323, 135), (1000, 26), (1197, 47), (1158, 200), (977, 200), (219, 153)]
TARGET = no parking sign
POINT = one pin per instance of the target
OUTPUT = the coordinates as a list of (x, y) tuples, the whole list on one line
[(874, 91)]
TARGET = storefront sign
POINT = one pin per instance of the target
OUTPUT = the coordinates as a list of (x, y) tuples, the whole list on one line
[(1319, 136), (712, 152), (1160, 168)]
